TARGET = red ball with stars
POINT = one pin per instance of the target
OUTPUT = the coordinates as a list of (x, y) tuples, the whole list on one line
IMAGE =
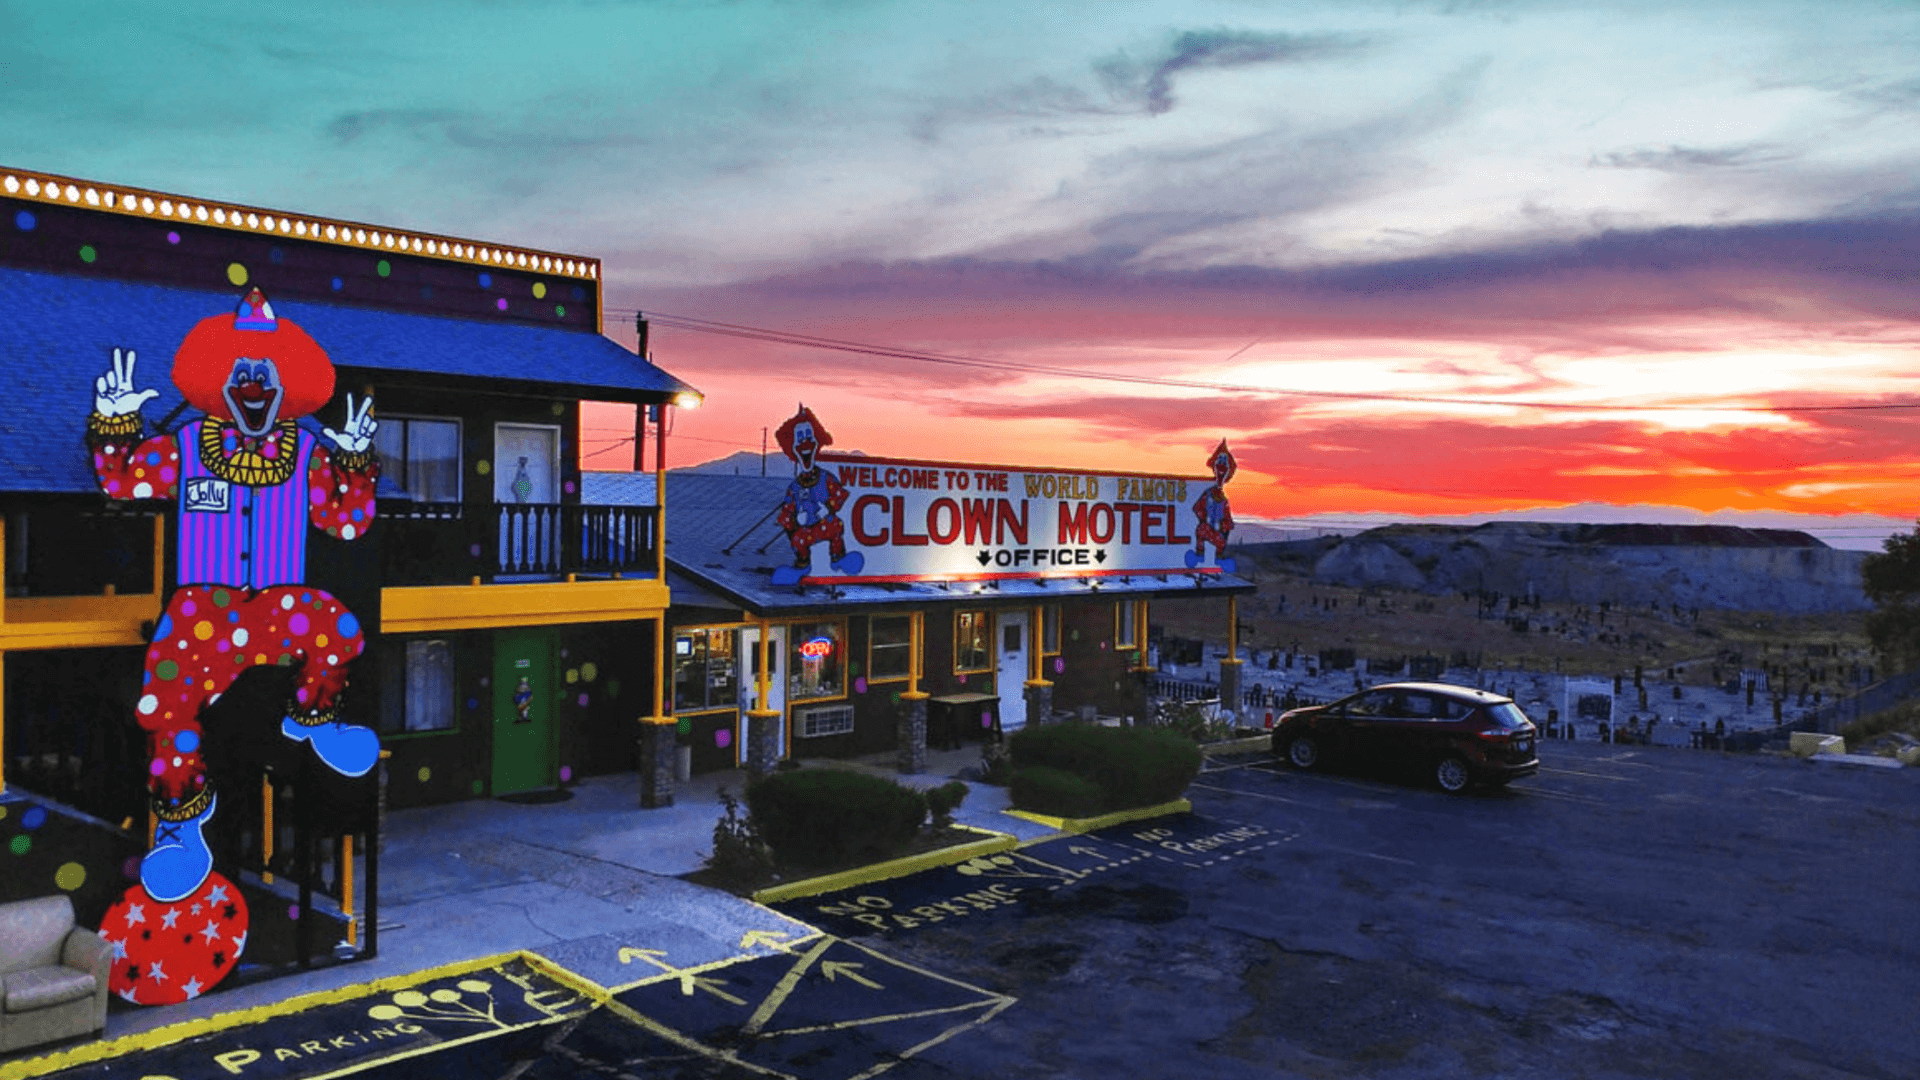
[(164, 954)]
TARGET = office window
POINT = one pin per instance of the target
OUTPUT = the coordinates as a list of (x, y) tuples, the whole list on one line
[(416, 692), (1123, 618), (972, 641), (816, 664), (705, 674), (889, 648), (420, 456), (1050, 635)]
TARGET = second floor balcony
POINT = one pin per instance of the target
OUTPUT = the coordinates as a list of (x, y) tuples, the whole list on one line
[(428, 543)]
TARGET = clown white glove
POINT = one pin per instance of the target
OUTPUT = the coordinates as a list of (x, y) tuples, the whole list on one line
[(359, 428), (113, 393)]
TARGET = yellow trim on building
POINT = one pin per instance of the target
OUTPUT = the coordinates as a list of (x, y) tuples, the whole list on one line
[(425, 608)]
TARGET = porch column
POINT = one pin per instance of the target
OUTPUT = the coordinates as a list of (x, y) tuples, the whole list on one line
[(1230, 667), (657, 732), (763, 733), (910, 724), (1039, 689)]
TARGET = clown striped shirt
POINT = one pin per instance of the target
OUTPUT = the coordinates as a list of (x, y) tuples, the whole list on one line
[(235, 534)]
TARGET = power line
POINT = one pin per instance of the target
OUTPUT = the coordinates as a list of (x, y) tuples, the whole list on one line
[(781, 337)]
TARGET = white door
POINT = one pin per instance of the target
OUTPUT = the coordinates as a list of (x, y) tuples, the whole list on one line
[(750, 685), (1012, 680), (526, 484)]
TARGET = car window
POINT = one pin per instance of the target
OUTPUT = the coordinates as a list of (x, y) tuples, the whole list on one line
[(1371, 703), (1451, 709), (1419, 706), (1507, 715)]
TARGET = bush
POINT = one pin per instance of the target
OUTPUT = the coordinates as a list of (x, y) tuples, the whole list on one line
[(832, 817), (1129, 766), (739, 856), (944, 800), (1043, 789)]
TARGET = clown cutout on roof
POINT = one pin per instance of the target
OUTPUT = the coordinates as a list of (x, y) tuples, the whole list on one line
[(247, 482), (810, 511), (1215, 514)]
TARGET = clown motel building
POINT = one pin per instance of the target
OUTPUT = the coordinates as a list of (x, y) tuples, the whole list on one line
[(374, 542), (860, 605)]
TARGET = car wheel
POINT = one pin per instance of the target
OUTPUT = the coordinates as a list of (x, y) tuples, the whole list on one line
[(1452, 775), (1303, 752)]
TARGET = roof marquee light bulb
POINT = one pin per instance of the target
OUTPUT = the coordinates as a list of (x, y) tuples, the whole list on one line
[(146, 204), (12, 185), (73, 193), (93, 197), (200, 213), (166, 208)]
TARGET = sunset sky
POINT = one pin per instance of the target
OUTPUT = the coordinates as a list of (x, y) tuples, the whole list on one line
[(1695, 214)]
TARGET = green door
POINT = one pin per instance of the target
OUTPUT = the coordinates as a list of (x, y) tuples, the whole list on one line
[(522, 711)]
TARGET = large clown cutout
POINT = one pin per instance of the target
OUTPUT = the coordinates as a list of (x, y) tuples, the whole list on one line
[(1214, 513), (810, 511), (247, 482)]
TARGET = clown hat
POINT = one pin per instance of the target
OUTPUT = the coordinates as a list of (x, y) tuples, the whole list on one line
[(255, 313)]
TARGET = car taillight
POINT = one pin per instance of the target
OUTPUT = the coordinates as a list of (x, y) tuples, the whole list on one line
[(1493, 735)]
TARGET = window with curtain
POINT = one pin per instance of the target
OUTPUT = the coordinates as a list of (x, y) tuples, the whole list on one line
[(420, 456), (417, 691)]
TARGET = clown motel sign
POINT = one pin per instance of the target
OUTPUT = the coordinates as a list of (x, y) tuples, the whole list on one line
[(918, 520)]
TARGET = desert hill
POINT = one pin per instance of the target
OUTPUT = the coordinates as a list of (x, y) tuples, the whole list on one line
[(1707, 566)]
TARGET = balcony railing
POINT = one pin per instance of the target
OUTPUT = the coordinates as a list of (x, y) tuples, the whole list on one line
[(453, 543)]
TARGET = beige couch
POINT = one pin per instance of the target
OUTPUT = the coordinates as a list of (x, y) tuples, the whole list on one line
[(53, 974)]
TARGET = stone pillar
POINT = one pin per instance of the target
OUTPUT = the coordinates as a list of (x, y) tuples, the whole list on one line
[(910, 729), (763, 743), (656, 762), (1039, 694), (1230, 687)]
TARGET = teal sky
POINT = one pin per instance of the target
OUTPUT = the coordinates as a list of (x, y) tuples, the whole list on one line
[(1550, 201)]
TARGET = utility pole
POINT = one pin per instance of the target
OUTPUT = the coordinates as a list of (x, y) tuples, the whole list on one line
[(640, 411), (763, 451)]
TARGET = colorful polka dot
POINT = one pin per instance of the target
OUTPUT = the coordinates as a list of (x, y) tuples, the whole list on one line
[(70, 876), (236, 274)]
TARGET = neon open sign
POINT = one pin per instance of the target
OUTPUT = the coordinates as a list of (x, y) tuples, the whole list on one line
[(817, 648)]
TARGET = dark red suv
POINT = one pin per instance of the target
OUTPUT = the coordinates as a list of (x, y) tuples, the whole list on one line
[(1456, 735)]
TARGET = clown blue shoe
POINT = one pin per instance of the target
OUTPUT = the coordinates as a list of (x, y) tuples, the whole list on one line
[(347, 749), (850, 563), (1227, 565), (788, 575), (180, 860), (1193, 559)]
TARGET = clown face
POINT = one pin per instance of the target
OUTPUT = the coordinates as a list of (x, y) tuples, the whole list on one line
[(805, 444), (253, 395)]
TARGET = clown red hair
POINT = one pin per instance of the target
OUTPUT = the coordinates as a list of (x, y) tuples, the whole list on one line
[(205, 359), (784, 435)]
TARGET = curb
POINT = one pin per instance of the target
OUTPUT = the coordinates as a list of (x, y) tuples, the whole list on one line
[(1244, 745), (1118, 817), (992, 844)]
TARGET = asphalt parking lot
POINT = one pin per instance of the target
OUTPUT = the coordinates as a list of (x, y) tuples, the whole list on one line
[(1629, 912)]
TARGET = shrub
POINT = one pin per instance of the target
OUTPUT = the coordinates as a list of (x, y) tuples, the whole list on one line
[(832, 817), (944, 800), (1043, 789), (1130, 766), (739, 856)]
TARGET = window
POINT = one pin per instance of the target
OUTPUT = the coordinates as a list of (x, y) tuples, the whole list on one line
[(416, 692), (972, 641), (816, 662), (704, 673), (1123, 629), (889, 648), (1050, 634), (420, 456)]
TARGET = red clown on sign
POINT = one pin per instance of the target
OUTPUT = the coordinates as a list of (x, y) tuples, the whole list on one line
[(810, 512), (1214, 513), (247, 482)]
